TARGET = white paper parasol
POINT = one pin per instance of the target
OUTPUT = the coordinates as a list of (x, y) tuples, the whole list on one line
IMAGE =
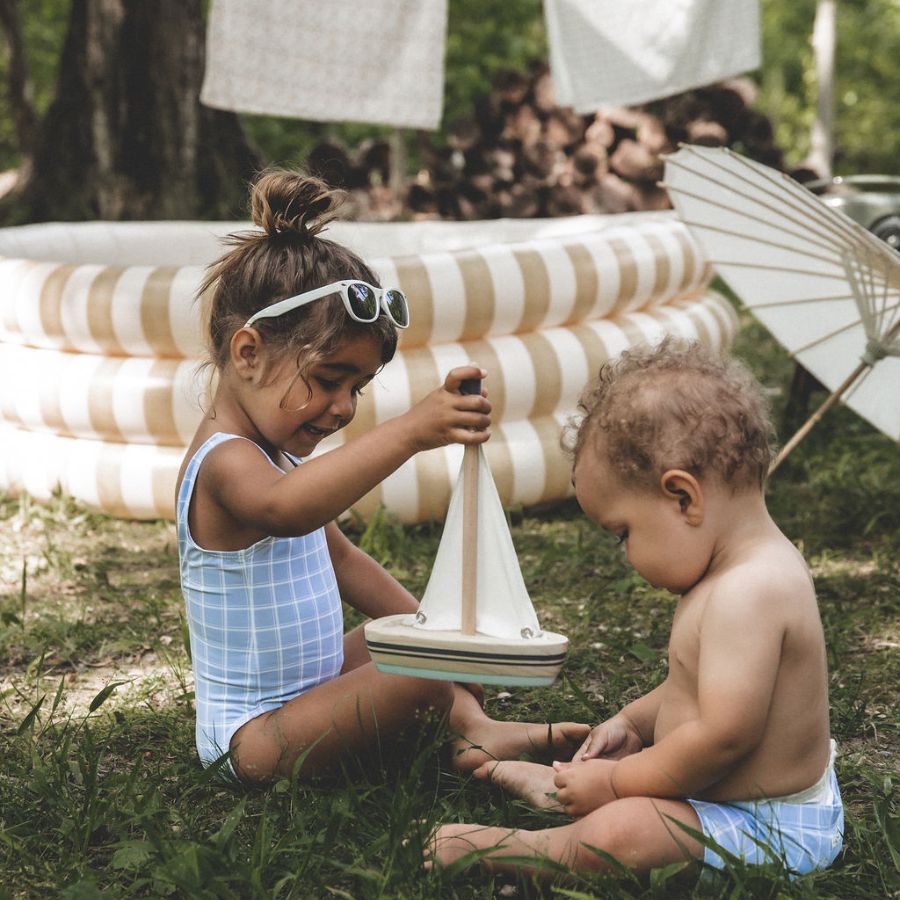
[(826, 288), (476, 621)]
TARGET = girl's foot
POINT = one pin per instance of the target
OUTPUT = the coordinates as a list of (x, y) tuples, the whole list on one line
[(448, 843), (531, 782), (488, 740)]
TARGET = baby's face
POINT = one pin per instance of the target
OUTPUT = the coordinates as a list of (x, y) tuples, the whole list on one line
[(655, 535)]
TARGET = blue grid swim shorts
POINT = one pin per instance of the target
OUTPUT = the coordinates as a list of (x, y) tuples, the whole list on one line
[(803, 831)]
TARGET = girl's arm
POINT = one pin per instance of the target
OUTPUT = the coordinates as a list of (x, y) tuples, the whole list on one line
[(367, 587), (259, 497), (363, 583)]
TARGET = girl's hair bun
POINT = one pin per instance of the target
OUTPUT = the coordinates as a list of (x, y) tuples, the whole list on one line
[(284, 202)]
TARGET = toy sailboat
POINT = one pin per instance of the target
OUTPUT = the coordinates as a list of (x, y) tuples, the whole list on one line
[(476, 621)]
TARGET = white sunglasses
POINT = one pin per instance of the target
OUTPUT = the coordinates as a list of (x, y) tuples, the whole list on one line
[(362, 301)]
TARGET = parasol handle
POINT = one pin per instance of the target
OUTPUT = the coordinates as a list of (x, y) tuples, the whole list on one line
[(470, 523), (841, 390), (817, 415)]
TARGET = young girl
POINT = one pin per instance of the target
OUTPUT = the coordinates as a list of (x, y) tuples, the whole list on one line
[(298, 327)]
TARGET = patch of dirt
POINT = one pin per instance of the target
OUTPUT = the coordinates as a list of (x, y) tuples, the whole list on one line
[(831, 566), (90, 599), (146, 680)]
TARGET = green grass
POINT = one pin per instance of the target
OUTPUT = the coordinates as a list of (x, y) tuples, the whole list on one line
[(110, 801)]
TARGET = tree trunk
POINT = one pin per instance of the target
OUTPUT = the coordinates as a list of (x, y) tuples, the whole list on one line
[(18, 86), (126, 136), (821, 151)]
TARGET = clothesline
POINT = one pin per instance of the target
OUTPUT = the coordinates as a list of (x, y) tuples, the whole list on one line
[(382, 61)]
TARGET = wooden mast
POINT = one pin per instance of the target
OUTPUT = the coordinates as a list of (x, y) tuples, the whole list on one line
[(470, 524)]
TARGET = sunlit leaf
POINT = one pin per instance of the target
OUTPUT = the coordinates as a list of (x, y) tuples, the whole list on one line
[(643, 653), (131, 854)]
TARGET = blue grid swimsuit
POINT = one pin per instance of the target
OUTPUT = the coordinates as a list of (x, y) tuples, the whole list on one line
[(266, 622)]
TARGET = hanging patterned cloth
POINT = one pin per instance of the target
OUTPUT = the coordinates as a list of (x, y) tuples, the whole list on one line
[(377, 61), (615, 53)]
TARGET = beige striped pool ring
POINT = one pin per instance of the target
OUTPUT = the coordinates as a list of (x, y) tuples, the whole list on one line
[(100, 344), (121, 399)]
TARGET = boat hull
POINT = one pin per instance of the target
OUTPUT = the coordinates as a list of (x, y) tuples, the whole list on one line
[(397, 645)]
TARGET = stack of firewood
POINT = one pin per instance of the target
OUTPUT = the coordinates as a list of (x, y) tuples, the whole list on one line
[(521, 155)]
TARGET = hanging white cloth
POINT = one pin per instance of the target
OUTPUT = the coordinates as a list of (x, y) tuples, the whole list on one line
[(625, 52), (378, 61), (503, 607)]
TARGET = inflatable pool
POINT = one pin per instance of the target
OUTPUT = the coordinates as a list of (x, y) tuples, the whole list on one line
[(100, 344)]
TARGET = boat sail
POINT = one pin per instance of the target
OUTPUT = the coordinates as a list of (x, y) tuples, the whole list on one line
[(476, 621)]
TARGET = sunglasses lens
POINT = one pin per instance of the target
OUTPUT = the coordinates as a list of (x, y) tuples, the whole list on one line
[(363, 301), (395, 302)]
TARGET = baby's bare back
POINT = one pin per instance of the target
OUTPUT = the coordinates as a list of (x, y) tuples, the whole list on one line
[(747, 659)]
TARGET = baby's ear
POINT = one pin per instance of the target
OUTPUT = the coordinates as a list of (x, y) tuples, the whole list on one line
[(682, 488)]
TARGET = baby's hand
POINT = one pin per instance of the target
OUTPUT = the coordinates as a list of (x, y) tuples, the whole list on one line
[(612, 739), (582, 787), (447, 416)]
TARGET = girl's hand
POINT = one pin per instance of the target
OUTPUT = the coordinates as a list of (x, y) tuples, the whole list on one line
[(446, 416), (612, 739), (582, 787)]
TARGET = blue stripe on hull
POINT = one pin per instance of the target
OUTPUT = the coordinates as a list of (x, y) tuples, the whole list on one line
[(438, 674)]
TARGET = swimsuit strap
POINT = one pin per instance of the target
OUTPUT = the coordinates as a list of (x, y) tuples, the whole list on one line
[(186, 488)]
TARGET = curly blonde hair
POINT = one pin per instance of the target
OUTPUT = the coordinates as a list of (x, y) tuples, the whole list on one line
[(679, 406), (285, 255)]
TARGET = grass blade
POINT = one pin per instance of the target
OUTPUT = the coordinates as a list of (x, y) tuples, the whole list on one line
[(28, 721), (103, 695)]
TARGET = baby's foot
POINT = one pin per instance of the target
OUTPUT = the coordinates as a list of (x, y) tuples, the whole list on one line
[(489, 740), (528, 781), (449, 843)]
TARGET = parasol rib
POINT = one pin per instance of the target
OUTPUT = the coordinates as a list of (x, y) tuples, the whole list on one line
[(858, 383), (803, 236), (772, 268), (838, 230), (840, 227), (876, 318), (835, 333), (770, 304)]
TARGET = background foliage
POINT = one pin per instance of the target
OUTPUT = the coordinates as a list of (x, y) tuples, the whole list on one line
[(867, 81), (487, 36)]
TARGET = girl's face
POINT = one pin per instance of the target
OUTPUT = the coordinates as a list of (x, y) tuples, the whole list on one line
[(655, 534), (287, 418)]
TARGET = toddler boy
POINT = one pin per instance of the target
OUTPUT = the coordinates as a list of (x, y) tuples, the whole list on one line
[(671, 456)]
